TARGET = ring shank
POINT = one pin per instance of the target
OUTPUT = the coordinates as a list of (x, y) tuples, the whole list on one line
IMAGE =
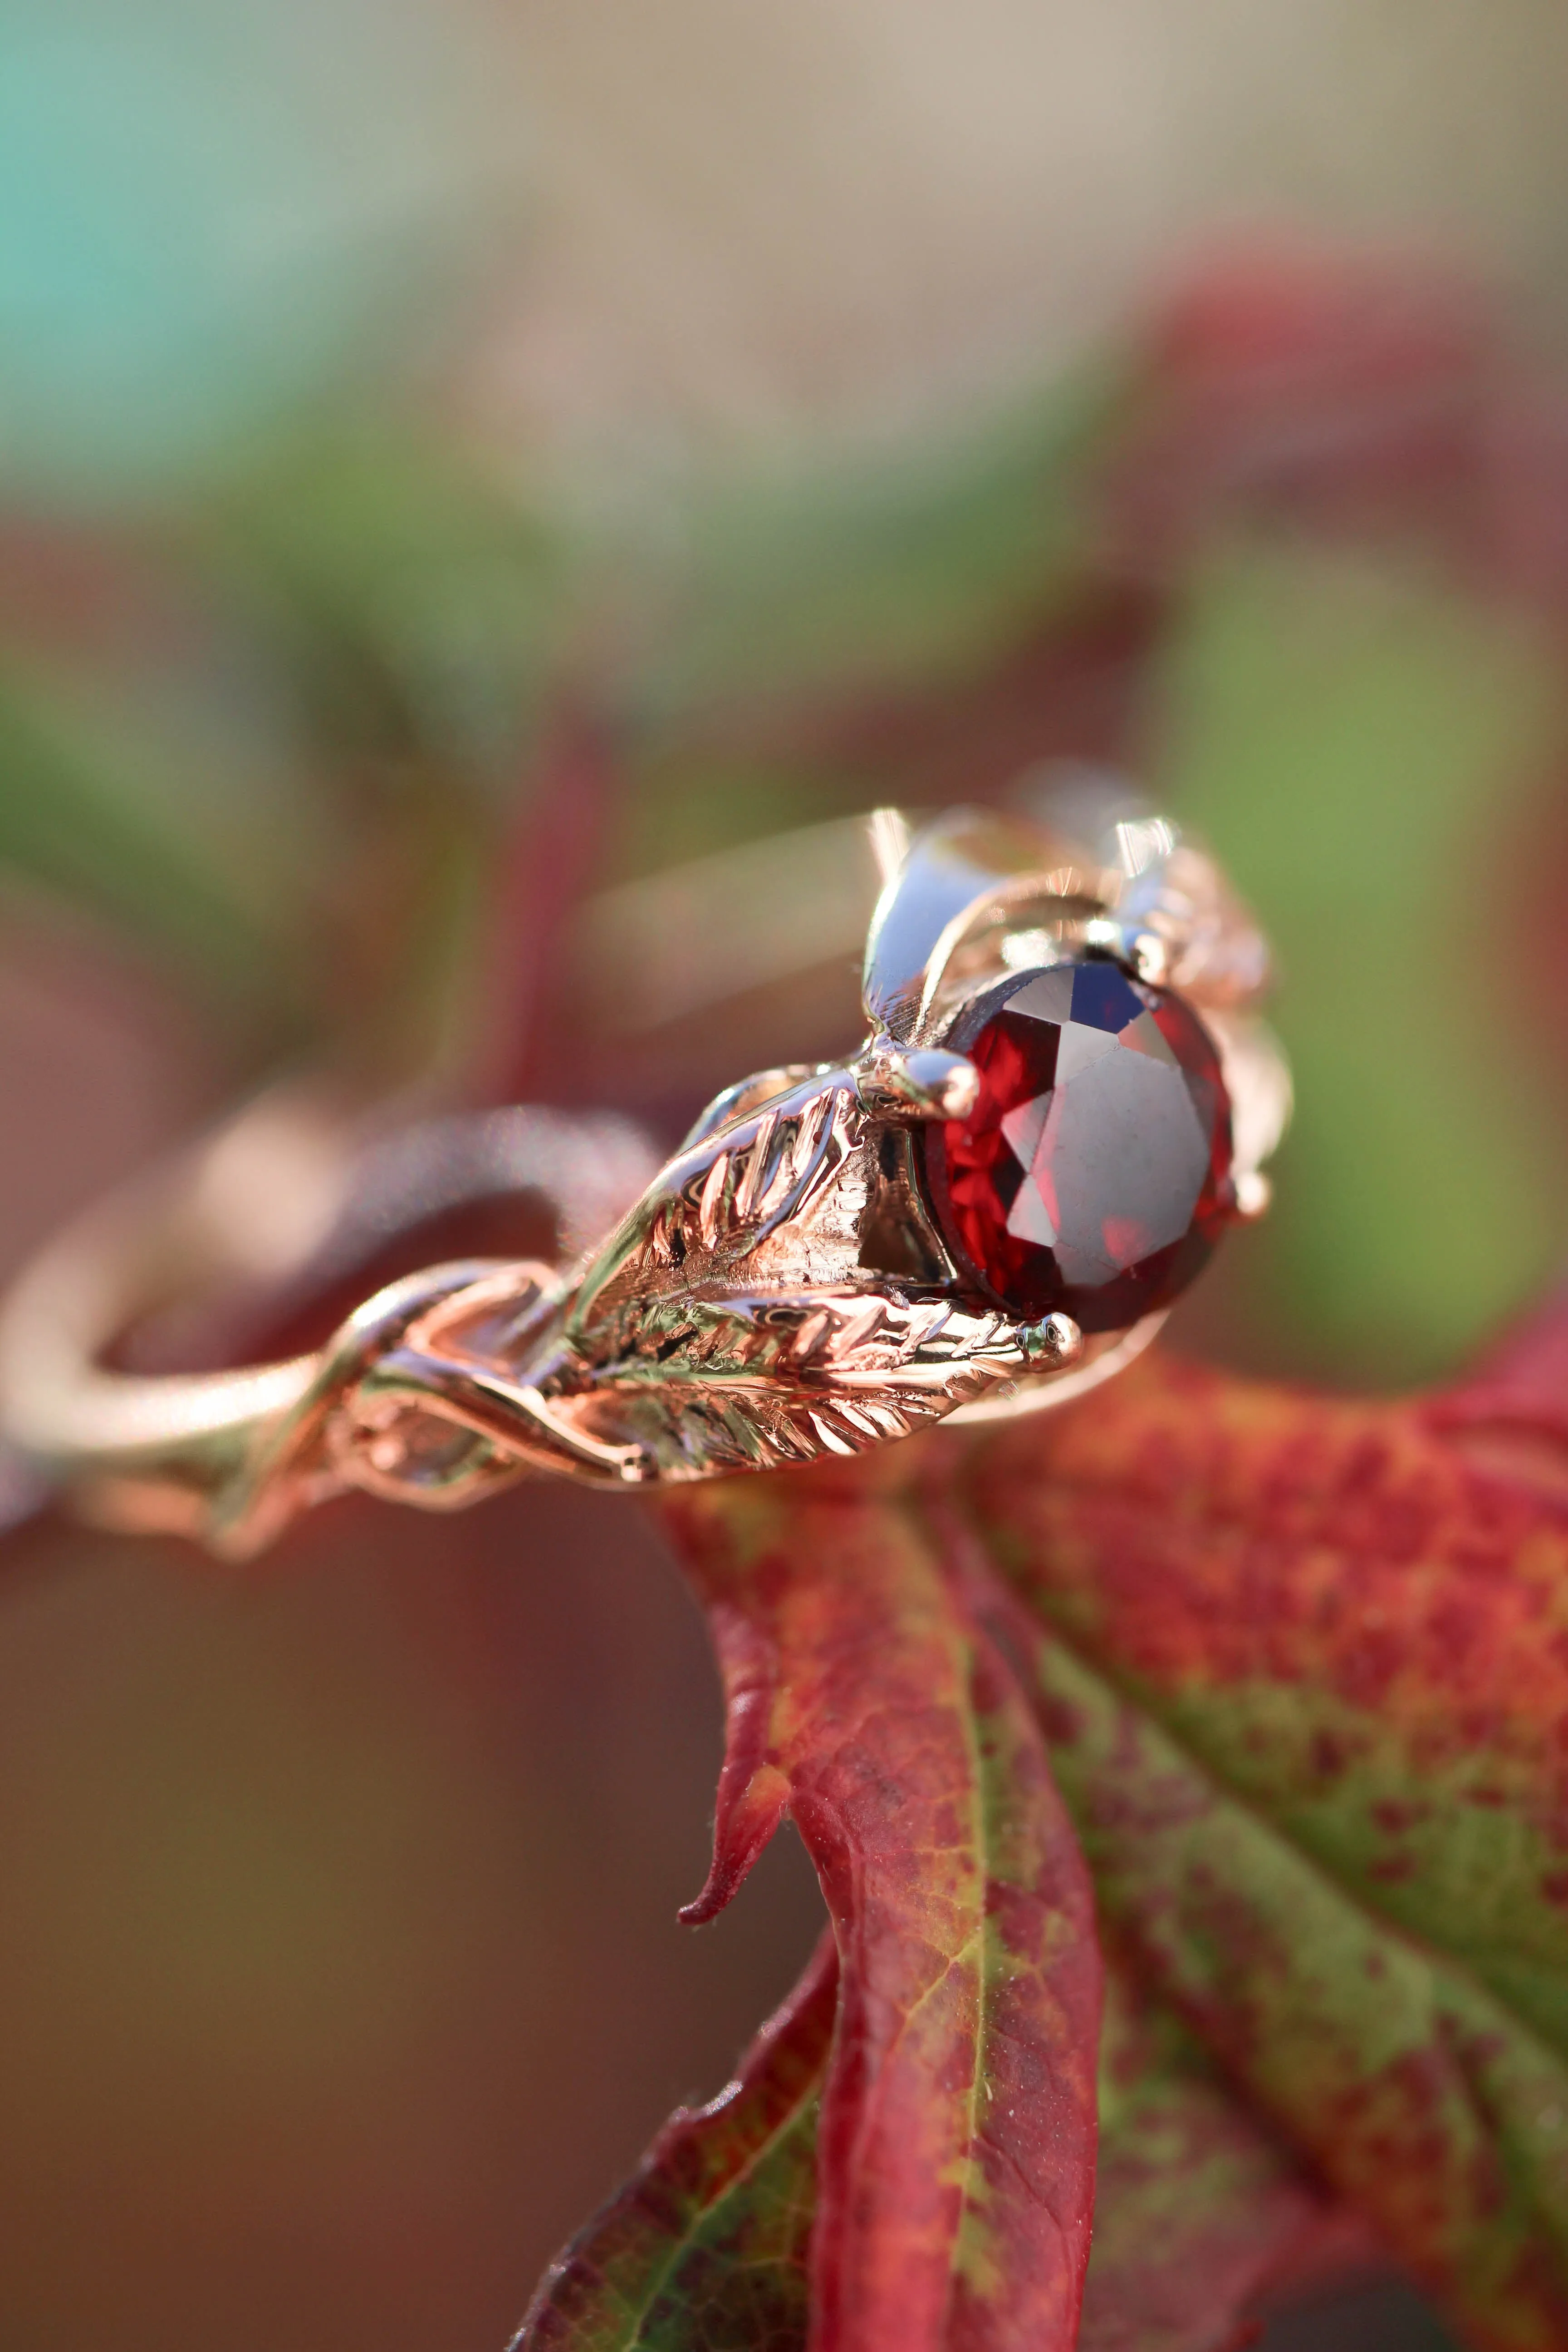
[(284, 1199)]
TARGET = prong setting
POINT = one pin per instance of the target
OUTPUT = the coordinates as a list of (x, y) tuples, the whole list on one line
[(1254, 1191), (790, 1283), (1051, 1344), (913, 1083), (1147, 954)]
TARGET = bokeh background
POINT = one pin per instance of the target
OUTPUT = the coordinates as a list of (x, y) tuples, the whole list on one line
[(457, 462)]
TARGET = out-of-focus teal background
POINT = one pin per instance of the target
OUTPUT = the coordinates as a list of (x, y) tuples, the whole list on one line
[(455, 463)]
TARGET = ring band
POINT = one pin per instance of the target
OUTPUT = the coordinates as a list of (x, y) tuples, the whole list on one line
[(1065, 1092)]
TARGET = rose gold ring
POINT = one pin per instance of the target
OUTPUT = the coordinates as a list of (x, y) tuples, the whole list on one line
[(1066, 1095)]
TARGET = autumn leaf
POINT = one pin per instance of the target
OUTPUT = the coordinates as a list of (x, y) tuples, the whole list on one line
[(956, 2154), (707, 2244), (1299, 1665), (1200, 2212), (956, 2149), (1303, 1673)]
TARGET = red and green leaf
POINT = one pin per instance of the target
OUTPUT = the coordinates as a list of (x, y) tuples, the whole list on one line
[(707, 2244), (1201, 2212), (956, 2155), (1307, 1696), (1300, 1668)]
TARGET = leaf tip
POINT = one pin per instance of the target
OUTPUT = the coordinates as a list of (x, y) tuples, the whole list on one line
[(744, 1824)]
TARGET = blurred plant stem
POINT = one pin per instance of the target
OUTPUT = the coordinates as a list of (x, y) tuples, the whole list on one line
[(278, 734)]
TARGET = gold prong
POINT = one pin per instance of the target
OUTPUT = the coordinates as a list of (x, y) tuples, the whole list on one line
[(1148, 956), (1053, 1341), (916, 1082), (1253, 1193), (889, 832)]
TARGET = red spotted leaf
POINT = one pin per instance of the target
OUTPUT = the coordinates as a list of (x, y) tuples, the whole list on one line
[(956, 2143), (1305, 1686), (1299, 1667), (707, 2245), (1200, 2212)]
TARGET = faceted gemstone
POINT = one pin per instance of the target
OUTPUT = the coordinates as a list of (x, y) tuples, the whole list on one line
[(1093, 1175)]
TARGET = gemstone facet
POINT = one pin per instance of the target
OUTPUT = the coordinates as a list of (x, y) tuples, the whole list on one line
[(1093, 1174)]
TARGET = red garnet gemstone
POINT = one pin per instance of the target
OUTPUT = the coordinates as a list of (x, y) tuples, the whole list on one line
[(1093, 1175)]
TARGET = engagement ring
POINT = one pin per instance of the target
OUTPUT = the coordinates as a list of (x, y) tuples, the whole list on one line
[(1065, 1096)]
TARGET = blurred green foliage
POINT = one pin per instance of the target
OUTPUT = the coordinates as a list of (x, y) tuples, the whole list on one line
[(1367, 745), (853, 572), (281, 727), (87, 812), (411, 603), (297, 786)]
